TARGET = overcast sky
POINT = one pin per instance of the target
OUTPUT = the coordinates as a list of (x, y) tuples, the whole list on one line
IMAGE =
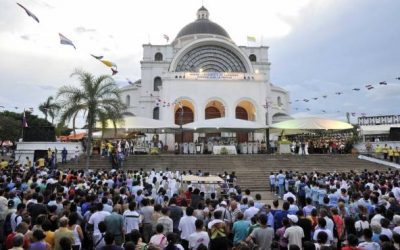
[(317, 47)]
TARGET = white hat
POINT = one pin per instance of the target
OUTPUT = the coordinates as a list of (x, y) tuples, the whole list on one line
[(223, 203), (293, 218)]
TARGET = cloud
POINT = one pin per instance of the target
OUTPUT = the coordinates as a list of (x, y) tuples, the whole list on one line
[(25, 37), (81, 30), (47, 87)]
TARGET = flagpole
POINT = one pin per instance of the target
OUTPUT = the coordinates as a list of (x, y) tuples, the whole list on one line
[(23, 125)]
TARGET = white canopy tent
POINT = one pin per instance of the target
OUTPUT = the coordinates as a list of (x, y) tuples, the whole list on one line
[(312, 123), (223, 124)]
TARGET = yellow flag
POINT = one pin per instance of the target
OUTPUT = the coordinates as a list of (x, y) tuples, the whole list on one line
[(251, 38), (107, 63)]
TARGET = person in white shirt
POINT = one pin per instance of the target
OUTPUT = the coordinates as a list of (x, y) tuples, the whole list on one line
[(199, 237), (272, 178), (322, 227), (294, 234), (187, 226), (251, 211), (132, 219), (98, 217), (368, 244), (166, 221), (289, 194), (16, 217)]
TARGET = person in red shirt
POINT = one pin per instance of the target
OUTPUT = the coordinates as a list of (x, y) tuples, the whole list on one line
[(352, 243), (22, 228), (338, 221)]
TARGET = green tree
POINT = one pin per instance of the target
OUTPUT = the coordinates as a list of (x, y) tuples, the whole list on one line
[(49, 108), (11, 124), (97, 98), (10, 128)]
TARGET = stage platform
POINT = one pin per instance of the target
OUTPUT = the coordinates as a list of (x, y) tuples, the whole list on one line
[(252, 170)]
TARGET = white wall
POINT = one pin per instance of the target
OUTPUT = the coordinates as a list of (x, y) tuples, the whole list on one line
[(27, 149)]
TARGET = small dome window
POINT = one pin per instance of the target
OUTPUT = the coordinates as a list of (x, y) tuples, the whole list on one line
[(253, 58)]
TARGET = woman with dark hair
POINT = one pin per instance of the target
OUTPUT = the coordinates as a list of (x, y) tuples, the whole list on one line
[(136, 238), (38, 241), (173, 244), (349, 226), (76, 230)]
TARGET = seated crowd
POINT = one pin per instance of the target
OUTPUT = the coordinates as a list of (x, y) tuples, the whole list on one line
[(153, 210)]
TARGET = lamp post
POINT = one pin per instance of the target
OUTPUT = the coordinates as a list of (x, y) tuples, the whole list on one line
[(266, 106), (181, 127)]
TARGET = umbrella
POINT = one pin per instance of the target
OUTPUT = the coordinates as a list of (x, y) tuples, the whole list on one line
[(312, 123)]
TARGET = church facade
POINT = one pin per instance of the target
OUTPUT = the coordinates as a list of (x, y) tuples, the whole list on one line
[(203, 74)]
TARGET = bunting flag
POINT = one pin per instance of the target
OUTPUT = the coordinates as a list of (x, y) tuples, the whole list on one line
[(251, 38), (369, 86), (24, 122), (166, 37), (129, 81), (108, 63), (66, 41), (114, 71), (97, 57), (29, 13)]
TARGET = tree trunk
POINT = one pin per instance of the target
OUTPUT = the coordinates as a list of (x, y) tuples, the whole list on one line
[(89, 141)]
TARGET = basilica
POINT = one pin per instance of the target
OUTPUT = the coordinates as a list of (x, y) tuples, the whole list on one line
[(202, 74)]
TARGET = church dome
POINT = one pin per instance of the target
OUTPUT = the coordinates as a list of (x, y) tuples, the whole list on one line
[(202, 26)]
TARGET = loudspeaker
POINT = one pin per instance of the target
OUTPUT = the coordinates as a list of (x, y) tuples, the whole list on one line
[(394, 134), (32, 134)]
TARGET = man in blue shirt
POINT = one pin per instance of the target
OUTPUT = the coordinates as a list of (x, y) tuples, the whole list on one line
[(281, 183), (239, 229)]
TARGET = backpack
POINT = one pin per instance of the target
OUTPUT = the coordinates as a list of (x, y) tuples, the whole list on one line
[(7, 229)]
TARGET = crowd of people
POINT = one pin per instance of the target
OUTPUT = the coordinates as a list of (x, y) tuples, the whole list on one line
[(322, 145), (383, 152), (70, 209)]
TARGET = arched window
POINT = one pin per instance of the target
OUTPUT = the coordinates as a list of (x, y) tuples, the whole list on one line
[(253, 58), (128, 100), (279, 101), (157, 83), (158, 57), (156, 113)]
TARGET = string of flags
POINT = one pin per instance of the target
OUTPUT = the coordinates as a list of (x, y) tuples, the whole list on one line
[(367, 87), (66, 41)]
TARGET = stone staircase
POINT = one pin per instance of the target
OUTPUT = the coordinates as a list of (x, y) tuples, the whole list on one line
[(252, 170)]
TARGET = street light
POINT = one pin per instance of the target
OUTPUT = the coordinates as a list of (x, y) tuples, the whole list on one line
[(266, 106)]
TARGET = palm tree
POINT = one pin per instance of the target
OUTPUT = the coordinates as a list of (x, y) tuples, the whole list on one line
[(49, 108), (98, 98)]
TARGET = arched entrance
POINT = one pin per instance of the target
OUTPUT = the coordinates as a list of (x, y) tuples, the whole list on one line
[(245, 110), (214, 109), (184, 113)]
